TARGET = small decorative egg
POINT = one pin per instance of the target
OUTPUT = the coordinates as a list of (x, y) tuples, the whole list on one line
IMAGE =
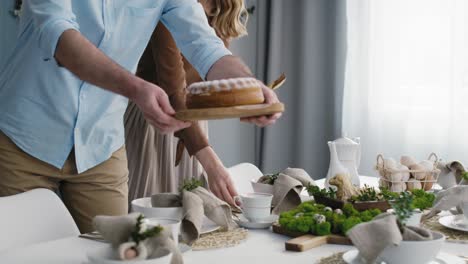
[(405, 175), (130, 253), (327, 209), (428, 182), (396, 177), (319, 218), (338, 211), (390, 163), (407, 161), (398, 187), (298, 215), (413, 184), (428, 165), (418, 175)]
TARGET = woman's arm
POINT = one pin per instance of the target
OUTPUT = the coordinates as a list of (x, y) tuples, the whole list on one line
[(171, 76)]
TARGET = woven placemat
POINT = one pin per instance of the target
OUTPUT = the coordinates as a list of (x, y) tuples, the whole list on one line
[(451, 235), (221, 239), (336, 258)]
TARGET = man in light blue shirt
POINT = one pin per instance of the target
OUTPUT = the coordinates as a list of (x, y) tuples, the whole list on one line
[(64, 92)]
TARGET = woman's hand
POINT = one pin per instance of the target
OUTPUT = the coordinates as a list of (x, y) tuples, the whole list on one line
[(263, 121), (219, 179)]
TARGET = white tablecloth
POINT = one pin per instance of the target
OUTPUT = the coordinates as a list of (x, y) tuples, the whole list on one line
[(262, 246)]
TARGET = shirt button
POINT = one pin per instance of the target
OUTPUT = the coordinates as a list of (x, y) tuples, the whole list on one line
[(82, 96)]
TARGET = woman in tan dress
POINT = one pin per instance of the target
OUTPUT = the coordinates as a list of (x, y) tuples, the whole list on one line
[(157, 162)]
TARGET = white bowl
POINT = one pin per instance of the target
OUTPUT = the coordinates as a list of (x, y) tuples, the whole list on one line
[(413, 252), (261, 187), (143, 205), (108, 255)]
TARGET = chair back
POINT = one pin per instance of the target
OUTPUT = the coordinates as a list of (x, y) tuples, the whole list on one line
[(242, 174), (32, 217)]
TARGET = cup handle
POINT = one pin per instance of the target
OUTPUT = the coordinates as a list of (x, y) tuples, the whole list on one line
[(238, 201)]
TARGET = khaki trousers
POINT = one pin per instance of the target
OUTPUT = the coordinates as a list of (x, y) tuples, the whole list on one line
[(102, 190)]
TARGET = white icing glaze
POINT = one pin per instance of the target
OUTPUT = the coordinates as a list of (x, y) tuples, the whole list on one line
[(222, 85)]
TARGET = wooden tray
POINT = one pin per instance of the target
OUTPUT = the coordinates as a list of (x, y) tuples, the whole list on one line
[(229, 112), (360, 206), (302, 242)]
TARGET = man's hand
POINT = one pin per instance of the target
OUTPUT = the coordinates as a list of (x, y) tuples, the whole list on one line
[(262, 121), (154, 103)]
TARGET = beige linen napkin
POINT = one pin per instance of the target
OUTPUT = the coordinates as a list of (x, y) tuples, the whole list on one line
[(287, 189), (196, 204), (371, 238), (117, 231), (193, 220), (446, 200), (215, 209)]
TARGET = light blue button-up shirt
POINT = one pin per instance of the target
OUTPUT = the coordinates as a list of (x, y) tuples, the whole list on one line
[(9, 30), (47, 111)]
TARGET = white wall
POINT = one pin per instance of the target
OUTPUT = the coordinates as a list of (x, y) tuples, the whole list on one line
[(232, 140)]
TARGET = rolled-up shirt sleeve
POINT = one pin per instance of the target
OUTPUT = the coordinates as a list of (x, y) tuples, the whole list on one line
[(51, 18), (187, 22)]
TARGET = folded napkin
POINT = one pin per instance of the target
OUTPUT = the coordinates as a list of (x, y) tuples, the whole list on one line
[(371, 238), (287, 189), (117, 230), (446, 200), (196, 204)]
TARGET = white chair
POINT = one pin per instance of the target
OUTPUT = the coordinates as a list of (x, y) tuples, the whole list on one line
[(33, 217), (242, 174)]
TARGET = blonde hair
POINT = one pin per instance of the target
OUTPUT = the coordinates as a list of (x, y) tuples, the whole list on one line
[(229, 18)]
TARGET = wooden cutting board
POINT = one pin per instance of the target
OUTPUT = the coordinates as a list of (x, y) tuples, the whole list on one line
[(302, 242), (229, 112)]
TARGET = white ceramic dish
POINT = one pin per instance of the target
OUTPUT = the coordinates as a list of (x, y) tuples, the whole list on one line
[(350, 257), (456, 222), (266, 223), (208, 226), (108, 255), (415, 218), (261, 187), (143, 205), (414, 252)]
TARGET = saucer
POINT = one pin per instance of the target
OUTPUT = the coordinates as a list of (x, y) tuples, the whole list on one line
[(266, 223), (350, 257), (456, 222)]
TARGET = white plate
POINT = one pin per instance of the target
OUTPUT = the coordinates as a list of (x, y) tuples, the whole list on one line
[(244, 222), (454, 222), (350, 257), (208, 226)]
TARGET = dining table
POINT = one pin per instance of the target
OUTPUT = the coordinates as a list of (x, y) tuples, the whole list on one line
[(261, 246)]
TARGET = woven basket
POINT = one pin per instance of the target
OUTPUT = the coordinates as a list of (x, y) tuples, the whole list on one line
[(426, 183)]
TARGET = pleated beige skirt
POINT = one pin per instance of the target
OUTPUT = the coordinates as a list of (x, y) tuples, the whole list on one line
[(151, 158)]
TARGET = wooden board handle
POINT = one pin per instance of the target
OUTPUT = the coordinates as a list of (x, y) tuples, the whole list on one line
[(305, 242)]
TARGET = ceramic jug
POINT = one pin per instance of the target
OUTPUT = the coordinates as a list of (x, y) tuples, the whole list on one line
[(349, 155), (335, 166)]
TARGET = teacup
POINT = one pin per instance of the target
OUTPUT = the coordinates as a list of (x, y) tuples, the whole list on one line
[(171, 224), (255, 199), (464, 207), (255, 206)]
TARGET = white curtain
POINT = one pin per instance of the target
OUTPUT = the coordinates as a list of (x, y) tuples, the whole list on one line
[(406, 81)]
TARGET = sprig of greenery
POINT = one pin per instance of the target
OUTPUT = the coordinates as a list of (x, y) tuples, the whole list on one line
[(368, 194), (403, 207), (137, 235), (465, 176), (270, 178), (317, 192), (190, 185)]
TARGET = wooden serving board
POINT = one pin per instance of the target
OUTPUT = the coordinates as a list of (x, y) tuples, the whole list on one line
[(302, 242), (229, 112)]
